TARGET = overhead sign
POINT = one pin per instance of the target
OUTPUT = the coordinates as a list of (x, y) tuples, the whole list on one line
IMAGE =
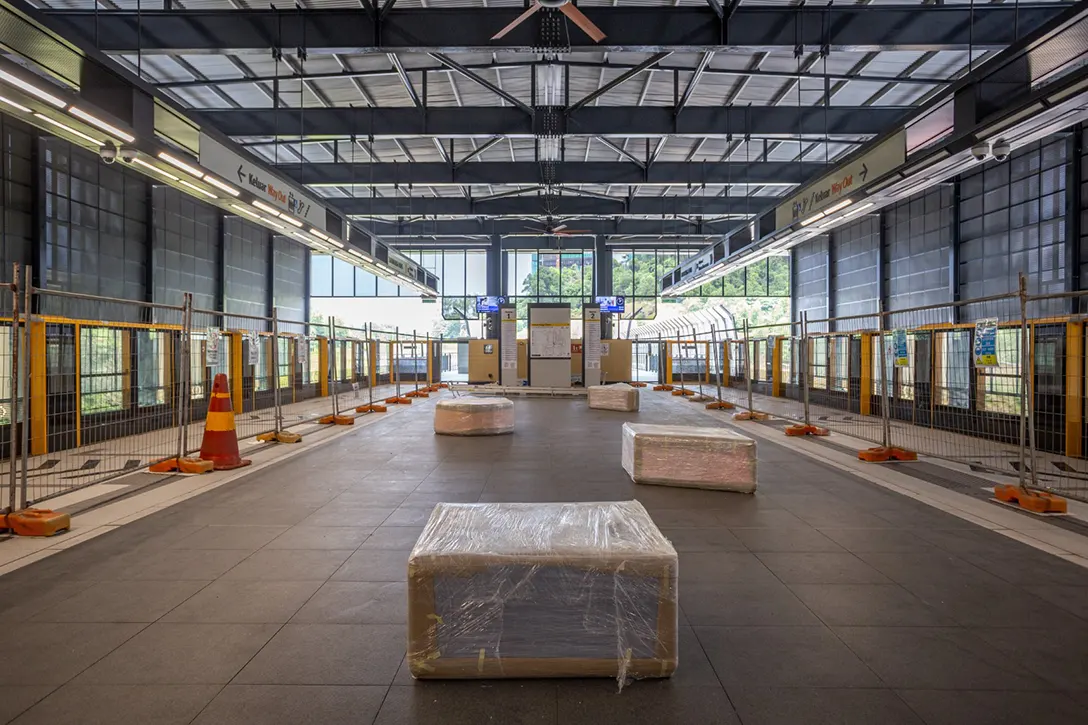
[(696, 264), (836, 186), (269, 188)]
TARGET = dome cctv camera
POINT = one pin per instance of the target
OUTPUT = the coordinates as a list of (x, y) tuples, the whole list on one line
[(980, 151), (1001, 149), (129, 154), (108, 152)]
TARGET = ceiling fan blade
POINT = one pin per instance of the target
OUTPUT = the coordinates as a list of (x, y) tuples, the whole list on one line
[(517, 21), (579, 19), (559, 228)]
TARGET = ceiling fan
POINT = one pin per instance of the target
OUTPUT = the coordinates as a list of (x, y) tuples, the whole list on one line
[(564, 6), (551, 230)]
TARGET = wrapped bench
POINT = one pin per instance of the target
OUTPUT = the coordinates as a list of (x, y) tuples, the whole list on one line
[(672, 455), (474, 416), (542, 590), (618, 396)]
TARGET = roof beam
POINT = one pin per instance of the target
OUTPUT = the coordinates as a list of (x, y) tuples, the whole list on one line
[(588, 121), (391, 230), (642, 29), (453, 65), (619, 80), (534, 206)]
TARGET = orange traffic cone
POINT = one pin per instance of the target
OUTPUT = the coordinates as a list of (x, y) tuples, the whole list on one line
[(220, 444)]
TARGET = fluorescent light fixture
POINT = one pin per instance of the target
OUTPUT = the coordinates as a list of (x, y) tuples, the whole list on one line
[(318, 233), (855, 212), (32, 89), (334, 243), (884, 184), (174, 161), (95, 121), (197, 189), (266, 208), (67, 128), (814, 218), (1060, 96), (156, 169), (1009, 121), (841, 205), (222, 185), (271, 223), (245, 211), (16, 106), (291, 220), (924, 163)]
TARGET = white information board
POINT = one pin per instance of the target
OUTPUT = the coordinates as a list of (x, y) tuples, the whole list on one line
[(302, 347), (211, 350), (254, 348), (591, 345), (549, 345), (549, 340)]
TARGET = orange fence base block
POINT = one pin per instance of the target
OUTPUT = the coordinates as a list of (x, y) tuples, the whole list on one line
[(806, 430), (1038, 502), (402, 401), (750, 415), (682, 392), (336, 420), (720, 405), (375, 408), (392, 401), (443, 386), (280, 437), (637, 385), (662, 387), (183, 465), (37, 522), (883, 454)]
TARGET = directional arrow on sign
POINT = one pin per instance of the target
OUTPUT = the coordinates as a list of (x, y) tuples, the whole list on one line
[(864, 172), (242, 177)]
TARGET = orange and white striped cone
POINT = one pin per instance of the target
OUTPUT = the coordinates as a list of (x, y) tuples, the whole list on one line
[(220, 444)]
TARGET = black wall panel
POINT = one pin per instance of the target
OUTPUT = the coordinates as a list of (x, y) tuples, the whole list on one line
[(186, 249), (289, 281), (918, 239), (95, 239), (1084, 211), (810, 279), (855, 255), (1013, 221), (246, 276), (17, 199)]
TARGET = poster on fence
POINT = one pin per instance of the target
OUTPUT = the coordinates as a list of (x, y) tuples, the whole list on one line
[(986, 343), (899, 349), (211, 349), (302, 346), (254, 348)]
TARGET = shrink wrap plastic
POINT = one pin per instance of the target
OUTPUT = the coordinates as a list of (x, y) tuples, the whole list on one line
[(672, 455), (619, 396), (471, 416), (542, 590)]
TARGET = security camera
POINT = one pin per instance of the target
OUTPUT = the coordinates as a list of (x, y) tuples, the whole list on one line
[(129, 154), (980, 151), (1001, 149), (108, 152)]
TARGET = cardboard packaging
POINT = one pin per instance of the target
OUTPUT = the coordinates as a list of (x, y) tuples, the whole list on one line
[(619, 396), (542, 590), (673, 455), (472, 416)]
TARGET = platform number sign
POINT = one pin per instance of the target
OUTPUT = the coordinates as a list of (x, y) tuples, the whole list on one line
[(986, 343), (211, 350), (899, 349)]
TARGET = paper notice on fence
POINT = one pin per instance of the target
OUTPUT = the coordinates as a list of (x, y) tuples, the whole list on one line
[(899, 349), (211, 349), (254, 348), (986, 343), (302, 347)]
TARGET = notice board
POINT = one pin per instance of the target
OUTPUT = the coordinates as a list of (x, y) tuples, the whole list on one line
[(549, 345)]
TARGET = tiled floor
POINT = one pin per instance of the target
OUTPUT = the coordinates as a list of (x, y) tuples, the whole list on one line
[(280, 598)]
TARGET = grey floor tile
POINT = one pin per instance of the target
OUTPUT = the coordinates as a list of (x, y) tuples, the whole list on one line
[(16, 699), (767, 602), (393, 538), (687, 518), (321, 537), (251, 515), (694, 668), (19, 600), (169, 653), (760, 518), (993, 707), (821, 568), (1028, 567), (782, 657), (794, 706), (1071, 599), (410, 515), (345, 602), (180, 564), (722, 568), (131, 601), (597, 703), (230, 537), (936, 658), (877, 605), (511, 702), (703, 539), (785, 540), (1058, 656), (374, 565), (229, 601), (339, 514), (328, 654), (981, 600), (892, 541), (40, 643), (293, 705), (109, 705), (290, 564)]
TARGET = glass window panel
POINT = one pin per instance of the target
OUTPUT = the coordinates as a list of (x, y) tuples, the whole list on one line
[(102, 370), (343, 278), (387, 288), (623, 275), (366, 284), (320, 275), (475, 273), (453, 273), (999, 387), (778, 276), (644, 268), (952, 375), (733, 283), (756, 276)]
